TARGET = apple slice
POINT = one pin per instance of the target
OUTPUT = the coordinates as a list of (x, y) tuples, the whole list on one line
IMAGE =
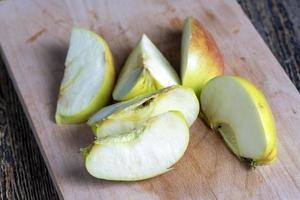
[(88, 78), (145, 71), (201, 59), (240, 113), (145, 151), (131, 113)]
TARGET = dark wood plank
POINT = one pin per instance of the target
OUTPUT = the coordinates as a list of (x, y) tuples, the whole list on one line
[(278, 22), (23, 174)]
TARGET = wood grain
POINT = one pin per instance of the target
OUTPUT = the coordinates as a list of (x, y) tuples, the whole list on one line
[(207, 169), (23, 173), (278, 21)]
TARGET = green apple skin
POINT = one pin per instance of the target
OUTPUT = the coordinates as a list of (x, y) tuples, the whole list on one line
[(135, 111), (236, 109), (134, 155), (145, 71), (102, 96), (201, 59)]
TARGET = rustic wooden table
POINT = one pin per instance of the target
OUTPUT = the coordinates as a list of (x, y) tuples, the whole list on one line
[(23, 174)]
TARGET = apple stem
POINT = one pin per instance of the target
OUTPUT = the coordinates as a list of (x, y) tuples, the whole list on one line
[(251, 162)]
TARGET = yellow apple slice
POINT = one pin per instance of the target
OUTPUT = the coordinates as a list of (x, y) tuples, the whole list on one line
[(145, 71), (145, 151), (88, 79), (201, 59), (240, 113), (130, 113)]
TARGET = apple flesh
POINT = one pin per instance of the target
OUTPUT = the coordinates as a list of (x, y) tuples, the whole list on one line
[(88, 78), (240, 113), (130, 113), (145, 71), (145, 151), (201, 59)]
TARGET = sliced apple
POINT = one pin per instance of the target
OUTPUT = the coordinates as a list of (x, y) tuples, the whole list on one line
[(88, 79), (133, 112), (145, 151), (201, 59), (145, 71), (240, 113)]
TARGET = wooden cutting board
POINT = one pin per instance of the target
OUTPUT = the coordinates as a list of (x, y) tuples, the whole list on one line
[(34, 39)]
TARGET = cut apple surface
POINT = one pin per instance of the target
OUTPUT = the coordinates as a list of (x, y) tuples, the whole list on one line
[(88, 78), (240, 113), (135, 111), (145, 151), (201, 59), (145, 71)]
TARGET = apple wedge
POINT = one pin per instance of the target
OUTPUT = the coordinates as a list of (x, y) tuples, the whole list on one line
[(145, 151), (240, 113), (130, 113), (201, 59), (88, 79), (145, 71)]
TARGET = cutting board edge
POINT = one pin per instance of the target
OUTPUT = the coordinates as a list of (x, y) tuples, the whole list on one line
[(29, 119)]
